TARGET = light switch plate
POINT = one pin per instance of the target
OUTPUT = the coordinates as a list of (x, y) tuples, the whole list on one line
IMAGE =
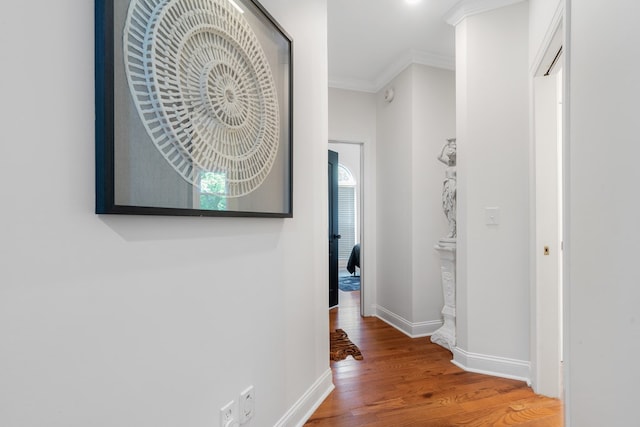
[(492, 216)]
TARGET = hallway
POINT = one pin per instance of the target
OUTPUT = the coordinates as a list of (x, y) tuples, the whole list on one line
[(411, 382)]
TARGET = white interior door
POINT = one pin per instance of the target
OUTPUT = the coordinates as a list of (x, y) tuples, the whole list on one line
[(547, 370)]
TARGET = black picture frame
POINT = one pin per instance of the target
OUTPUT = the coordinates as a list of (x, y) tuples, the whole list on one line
[(135, 177)]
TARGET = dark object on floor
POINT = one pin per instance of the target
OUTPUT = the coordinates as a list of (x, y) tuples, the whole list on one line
[(349, 283), (354, 259), (341, 347)]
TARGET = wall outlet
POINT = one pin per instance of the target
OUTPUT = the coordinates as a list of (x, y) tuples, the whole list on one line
[(228, 416), (247, 404)]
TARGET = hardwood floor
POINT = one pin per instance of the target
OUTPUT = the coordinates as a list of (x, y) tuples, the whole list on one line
[(405, 382)]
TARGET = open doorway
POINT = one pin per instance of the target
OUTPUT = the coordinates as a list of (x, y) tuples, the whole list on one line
[(350, 223)]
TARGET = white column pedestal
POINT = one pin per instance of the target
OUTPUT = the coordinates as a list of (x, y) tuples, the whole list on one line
[(446, 335)]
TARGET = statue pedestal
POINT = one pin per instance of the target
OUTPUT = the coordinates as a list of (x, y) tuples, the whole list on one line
[(446, 335)]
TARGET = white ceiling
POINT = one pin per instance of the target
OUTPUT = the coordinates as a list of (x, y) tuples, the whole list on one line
[(371, 41)]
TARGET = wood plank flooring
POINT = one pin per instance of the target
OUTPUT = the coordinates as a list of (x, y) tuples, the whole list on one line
[(404, 382)]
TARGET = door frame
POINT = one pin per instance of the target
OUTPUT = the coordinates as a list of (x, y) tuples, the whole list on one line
[(554, 38), (366, 249), (333, 229)]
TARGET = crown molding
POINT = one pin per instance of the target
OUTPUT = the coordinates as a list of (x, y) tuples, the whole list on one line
[(413, 57), (358, 85), (396, 67), (466, 8)]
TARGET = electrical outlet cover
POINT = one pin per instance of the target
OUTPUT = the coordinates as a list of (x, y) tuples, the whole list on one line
[(227, 418), (247, 405)]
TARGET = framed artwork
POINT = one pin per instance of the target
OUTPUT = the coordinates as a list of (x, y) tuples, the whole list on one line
[(193, 109)]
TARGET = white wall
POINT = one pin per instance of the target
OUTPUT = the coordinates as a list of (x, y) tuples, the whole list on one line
[(603, 236), (148, 321), (352, 118), (433, 122), (395, 192), (493, 166), (410, 132)]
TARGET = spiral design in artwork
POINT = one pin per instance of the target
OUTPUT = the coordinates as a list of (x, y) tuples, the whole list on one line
[(204, 89)]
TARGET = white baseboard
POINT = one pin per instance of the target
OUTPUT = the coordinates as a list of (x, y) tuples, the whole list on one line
[(369, 311), (302, 410), (491, 365), (413, 330)]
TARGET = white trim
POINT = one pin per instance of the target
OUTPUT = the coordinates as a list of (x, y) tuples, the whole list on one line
[(367, 282), (533, 272), (411, 57), (412, 330), (357, 85), (466, 8), (551, 42), (426, 329), (566, 227), (548, 39), (371, 312), (302, 410), (401, 63), (492, 365), (447, 62)]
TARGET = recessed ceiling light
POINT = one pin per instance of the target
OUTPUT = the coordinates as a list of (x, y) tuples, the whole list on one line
[(413, 1)]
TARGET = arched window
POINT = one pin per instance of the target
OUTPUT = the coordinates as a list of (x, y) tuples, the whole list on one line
[(345, 177), (347, 211)]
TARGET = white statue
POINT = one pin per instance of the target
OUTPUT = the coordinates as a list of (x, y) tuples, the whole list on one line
[(448, 157), (446, 247)]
